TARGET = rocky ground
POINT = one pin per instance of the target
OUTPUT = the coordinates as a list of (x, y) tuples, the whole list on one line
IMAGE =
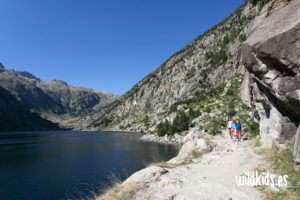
[(205, 168)]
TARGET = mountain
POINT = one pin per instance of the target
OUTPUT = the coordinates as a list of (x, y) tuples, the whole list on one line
[(246, 67), (56, 101), (256, 50), (207, 62), (15, 116)]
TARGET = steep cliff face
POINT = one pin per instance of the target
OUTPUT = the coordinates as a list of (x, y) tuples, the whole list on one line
[(207, 62), (55, 100), (271, 55)]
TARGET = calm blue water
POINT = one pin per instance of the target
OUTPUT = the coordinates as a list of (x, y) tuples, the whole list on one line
[(68, 164)]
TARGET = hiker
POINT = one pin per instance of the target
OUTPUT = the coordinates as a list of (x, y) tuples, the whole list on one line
[(238, 128), (230, 127)]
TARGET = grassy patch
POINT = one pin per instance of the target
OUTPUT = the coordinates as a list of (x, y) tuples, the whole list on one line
[(121, 191), (257, 142), (197, 154), (281, 161), (253, 128), (216, 126)]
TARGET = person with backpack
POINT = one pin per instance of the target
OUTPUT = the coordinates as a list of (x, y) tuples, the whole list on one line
[(230, 127)]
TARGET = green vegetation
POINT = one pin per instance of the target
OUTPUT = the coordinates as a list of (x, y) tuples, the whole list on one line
[(197, 153), (260, 3), (145, 120), (217, 58), (216, 126), (193, 113), (281, 161), (217, 104), (242, 37), (163, 128), (253, 128), (181, 123)]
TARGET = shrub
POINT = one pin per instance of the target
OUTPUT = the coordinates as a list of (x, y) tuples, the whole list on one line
[(216, 126), (231, 110), (215, 131), (181, 123), (260, 3), (145, 120), (194, 113), (225, 40), (207, 109), (242, 37), (163, 128), (219, 57)]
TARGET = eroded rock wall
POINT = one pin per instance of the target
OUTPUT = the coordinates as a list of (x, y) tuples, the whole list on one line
[(271, 55)]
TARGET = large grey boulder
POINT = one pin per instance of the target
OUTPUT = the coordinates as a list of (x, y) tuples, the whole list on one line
[(187, 148), (271, 55)]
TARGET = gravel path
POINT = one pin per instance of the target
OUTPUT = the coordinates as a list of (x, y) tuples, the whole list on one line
[(211, 177)]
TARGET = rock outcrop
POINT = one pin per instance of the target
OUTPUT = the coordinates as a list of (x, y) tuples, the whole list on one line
[(271, 55)]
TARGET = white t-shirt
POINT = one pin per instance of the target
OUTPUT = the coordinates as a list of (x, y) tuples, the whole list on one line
[(229, 124)]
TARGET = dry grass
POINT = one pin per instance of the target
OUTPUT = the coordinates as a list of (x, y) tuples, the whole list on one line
[(171, 165), (281, 162), (121, 191), (164, 165)]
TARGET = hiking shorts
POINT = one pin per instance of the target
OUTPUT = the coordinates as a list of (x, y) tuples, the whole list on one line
[(238, 132)]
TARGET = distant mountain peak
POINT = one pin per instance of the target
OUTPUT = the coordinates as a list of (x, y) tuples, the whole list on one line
[(28, 75)]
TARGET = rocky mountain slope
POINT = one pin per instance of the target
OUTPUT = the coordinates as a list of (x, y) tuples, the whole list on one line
[(260, 40), (56, 100), (270, 90), (15, 116), (207, 62)]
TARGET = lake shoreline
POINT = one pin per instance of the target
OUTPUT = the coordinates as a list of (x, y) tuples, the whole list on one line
[(178, 177), (70, 159)]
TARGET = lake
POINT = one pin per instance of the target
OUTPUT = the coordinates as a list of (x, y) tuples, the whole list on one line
[(70, 164)]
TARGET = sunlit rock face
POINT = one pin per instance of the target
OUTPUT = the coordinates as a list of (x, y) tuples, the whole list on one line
[(271, 55)]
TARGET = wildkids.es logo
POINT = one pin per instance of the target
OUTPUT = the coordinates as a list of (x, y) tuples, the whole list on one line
[(261, 179)]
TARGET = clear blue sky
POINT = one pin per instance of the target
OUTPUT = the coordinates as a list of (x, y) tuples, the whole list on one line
[(102, 44)]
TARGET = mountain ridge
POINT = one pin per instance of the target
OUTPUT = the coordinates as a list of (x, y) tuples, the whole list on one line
[(206, 62), (55, 100)]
